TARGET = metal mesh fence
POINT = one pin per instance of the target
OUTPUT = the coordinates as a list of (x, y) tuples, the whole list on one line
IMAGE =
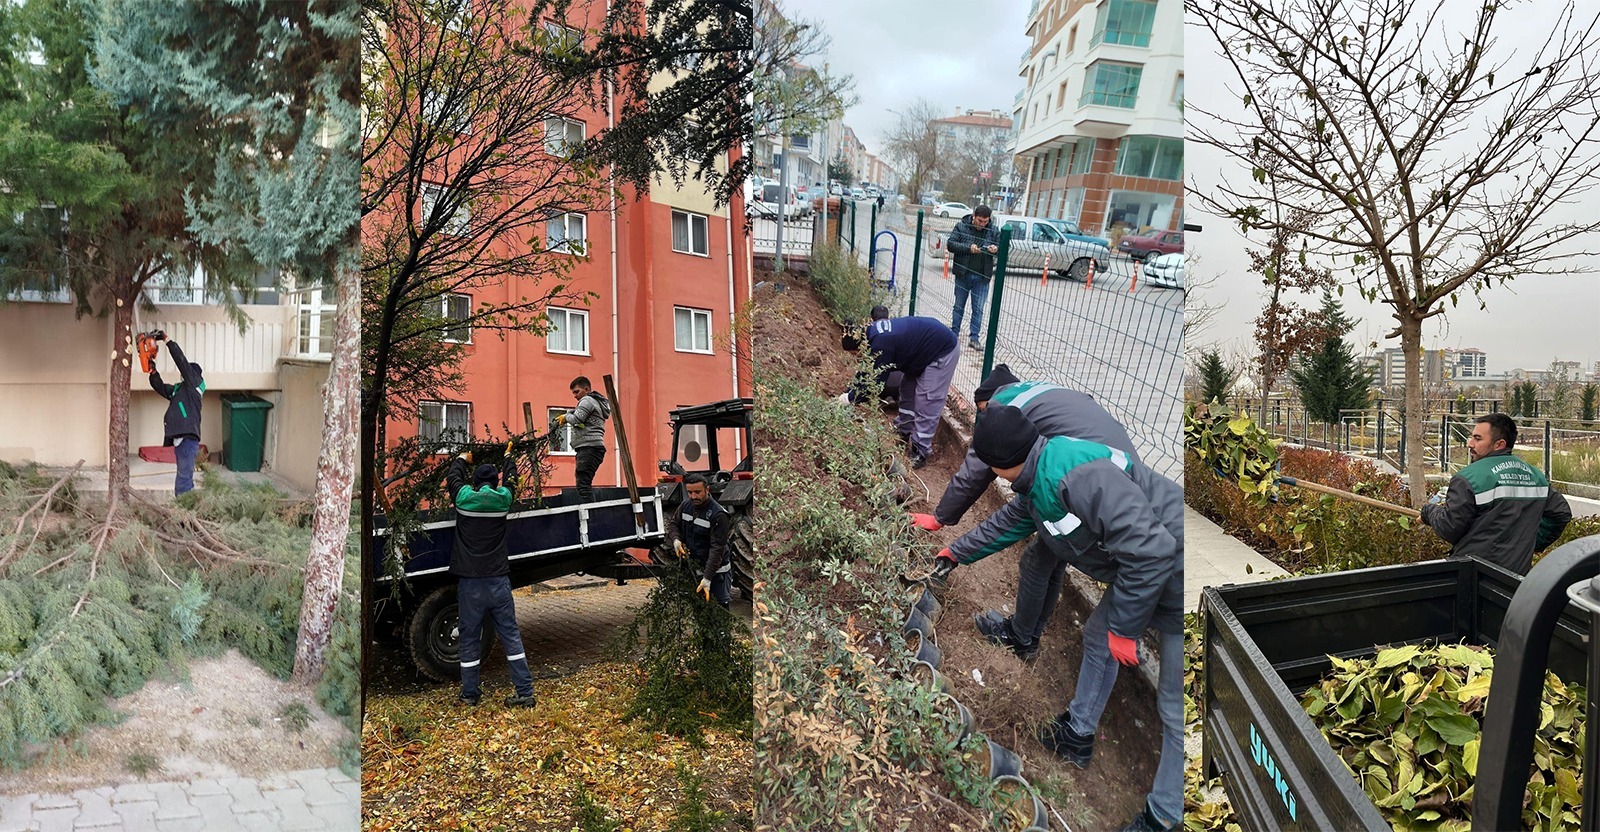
[(797, 233), (1111, 332)]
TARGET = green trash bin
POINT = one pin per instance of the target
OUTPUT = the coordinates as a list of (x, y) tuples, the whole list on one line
[(244, 431)]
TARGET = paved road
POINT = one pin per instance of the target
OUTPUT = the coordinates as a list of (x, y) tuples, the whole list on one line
[(315, 800), (1115, 338)]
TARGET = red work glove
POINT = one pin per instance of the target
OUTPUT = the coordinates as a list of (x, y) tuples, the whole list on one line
[(926, 521), (1125, 650)]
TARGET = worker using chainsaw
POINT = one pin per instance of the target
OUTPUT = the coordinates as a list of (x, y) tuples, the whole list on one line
[(699, 530), (481, 563), (1498, 508), (1120, 523), (925, 351), (588, 421), (181, 425), (1054, 411)]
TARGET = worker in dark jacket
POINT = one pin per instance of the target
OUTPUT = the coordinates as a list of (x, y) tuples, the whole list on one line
[(973, 245), (1121, 524), (1054, 411), (481, 564), (1498, 508), (588, 421), (699, 530), (926, 353), (181, 425)]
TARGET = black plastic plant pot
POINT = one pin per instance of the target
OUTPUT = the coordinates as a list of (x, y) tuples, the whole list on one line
[(916, 622), (922, 599), (930, 677), (1000, 761), (1018, 807), (924, 650), (958, 713)]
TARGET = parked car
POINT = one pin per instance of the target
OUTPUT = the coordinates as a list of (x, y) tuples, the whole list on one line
[(952, 209), (1071, 231), (1140, 247), (836, 190), (857, 193), (1033, 239), (772, 198), (1164, 270)]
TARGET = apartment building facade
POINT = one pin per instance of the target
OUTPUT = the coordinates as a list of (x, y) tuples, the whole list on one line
[(1100, 122)]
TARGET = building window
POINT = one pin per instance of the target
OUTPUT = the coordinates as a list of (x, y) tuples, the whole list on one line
[(1061, 96), (560, 435), (569, 331), (445, 423), (171, 287), (314, 311), (1083, 156), (1125, 22), (1072, 38), (1177, 90), (562, 136), (1109, 84), (691, 329), (459, 221), (562, 38), (454, 307), (566, 233), (446, 109), (1150, 156), (689, 234), (1074, 207)]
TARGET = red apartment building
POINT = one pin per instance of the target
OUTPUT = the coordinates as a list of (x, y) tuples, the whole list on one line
[(668, 269)]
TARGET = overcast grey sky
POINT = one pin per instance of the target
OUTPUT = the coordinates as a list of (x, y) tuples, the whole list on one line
[(955, 54), (1529, 322)]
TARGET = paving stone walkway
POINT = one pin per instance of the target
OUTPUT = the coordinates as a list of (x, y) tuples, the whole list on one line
[(314, 800)]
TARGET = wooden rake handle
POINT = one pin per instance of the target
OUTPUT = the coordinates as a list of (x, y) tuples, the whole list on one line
[(1328, 489)]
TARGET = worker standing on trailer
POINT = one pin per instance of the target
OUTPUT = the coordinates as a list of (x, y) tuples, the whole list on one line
[(181, 424), (1498, 508), (925, 352), (1054, 411), (482, 567), (699, 530), (1122, 524), (588, 422)]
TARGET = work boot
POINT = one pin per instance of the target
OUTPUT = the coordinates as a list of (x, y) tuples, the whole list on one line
[(520, 701), (466, 701), (972, 344), (997, 629), (919, 461), (1146, 822), (1070, 745)]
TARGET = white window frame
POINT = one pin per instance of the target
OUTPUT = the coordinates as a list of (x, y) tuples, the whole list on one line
[(560, 33), (432, 106), (458, 224), (564, 246), (559, 128), (565, 431), (689, 218), (185, 290), (694, 313), (444, 312), (442, 421), (312, 305), (566, 318)]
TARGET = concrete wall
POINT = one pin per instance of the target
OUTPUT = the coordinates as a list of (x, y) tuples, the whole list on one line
[(294, 425)]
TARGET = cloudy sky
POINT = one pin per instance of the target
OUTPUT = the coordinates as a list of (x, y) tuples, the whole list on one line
[(1529, 322), (955, 54)]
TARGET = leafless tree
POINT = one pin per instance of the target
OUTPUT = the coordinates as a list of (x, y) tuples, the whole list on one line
[(1430, 159), (913, 143)]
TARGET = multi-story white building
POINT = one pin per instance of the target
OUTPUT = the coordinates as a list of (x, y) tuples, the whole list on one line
[(1100, 121), (1471, 363)]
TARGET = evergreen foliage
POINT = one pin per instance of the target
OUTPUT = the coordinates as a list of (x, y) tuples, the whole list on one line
[(78, 628), (1332, 379), (696, 657), (1215, 377), (1589, 402)]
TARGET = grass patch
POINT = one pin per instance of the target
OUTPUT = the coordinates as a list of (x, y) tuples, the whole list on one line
[(296, 717), (140, 764)]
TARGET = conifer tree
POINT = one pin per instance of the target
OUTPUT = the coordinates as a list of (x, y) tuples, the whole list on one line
[(1215, 377), (1332, 378)]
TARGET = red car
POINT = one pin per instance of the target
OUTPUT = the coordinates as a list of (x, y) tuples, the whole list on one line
[(1150, 245)]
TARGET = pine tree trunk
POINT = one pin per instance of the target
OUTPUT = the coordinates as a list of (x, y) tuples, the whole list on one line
[(123, 356), (1416, 466), (336, 471)]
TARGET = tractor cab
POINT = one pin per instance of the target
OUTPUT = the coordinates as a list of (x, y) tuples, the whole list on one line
[(714, 440)]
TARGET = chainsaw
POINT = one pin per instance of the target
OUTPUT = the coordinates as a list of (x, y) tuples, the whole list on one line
[(149, 344)]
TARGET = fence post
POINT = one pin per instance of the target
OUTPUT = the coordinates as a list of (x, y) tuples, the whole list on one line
[(1380, 435), (916, 261), (853, 226), (994, 303), (872, 233), (1547, 451)]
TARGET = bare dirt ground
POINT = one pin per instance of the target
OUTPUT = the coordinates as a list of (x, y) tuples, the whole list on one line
[(1014, 698), (219, 717)]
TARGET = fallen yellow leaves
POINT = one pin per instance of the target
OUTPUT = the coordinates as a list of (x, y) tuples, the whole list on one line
[(430, 765)]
